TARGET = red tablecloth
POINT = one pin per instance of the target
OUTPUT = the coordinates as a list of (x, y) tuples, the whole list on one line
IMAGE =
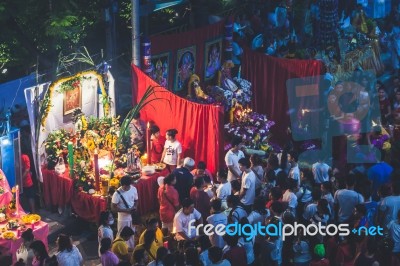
[(88, 207), (57, 189), (40, 232), (147, 187)]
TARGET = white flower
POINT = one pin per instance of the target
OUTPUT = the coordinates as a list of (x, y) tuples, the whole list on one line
[(82, 164), (249, 131)]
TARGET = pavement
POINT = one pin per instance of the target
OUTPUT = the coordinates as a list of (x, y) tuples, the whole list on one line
[(83, 234)]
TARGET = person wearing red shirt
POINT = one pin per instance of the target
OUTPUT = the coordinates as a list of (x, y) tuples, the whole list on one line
[(157, 144), (200, 198), (27, 183), (232, 252), (169, 203)]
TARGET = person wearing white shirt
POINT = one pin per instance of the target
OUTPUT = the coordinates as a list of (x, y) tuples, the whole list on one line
[(68, 255), (217, 217), (224, 189), (390, 206), (182, 220), (232, 158), (394, 232), (289, 195), (294, 172), (346, 199), (172, 150), (105, 231), (248, 189), (321, 172), (124, 201)]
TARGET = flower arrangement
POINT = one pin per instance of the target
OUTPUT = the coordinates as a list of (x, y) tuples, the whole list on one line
[(56, 144), (243, 94), (84, 178), (70, 84), (254, 128)]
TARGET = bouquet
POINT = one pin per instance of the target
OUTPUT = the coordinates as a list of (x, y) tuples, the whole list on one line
[(254, 128)]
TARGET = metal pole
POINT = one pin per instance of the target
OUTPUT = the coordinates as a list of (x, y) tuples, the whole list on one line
[(135, 33)]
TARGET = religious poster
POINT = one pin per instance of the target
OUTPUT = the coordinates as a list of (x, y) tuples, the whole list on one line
[(212, 58), (160, 69), (72, 100), (185, 67)]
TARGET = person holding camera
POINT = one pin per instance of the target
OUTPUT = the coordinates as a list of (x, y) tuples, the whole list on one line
[(124, 202)]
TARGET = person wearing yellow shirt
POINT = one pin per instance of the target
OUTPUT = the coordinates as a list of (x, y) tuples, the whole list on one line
[(149, 246), (120, 247), (152, 224)]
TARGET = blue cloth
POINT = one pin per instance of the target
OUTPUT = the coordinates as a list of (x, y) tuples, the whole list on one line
[(371, 208), (379, 174)]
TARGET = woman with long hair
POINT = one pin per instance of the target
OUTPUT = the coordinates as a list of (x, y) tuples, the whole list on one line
[(68, 254), (40, 252), (105, 231)]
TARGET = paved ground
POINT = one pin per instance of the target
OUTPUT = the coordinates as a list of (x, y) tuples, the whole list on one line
[(82, 233)]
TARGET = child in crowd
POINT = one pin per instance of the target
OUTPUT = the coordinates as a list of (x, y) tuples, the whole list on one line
[(224, 189), (202, 170), (157, 144), (172, 150), (107, 257)]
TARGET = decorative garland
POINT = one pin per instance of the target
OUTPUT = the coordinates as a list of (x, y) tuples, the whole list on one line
[(70, 83)]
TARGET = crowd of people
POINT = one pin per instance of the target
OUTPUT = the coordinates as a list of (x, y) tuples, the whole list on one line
[(248, 192)]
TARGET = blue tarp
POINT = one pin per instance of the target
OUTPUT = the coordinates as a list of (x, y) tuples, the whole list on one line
[(15, 90)]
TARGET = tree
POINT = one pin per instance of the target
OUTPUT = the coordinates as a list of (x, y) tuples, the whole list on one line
[(38, 30)]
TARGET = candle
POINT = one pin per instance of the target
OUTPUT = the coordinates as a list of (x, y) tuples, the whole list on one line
[(17, 199), (148, 135), (96, 170), (71, 159)]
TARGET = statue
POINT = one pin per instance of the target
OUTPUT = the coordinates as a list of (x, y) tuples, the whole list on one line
[(194, 90)]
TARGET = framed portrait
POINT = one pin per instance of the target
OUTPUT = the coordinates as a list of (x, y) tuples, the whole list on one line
[(212, 58), (185, 67), (160, 69), (72, 100)]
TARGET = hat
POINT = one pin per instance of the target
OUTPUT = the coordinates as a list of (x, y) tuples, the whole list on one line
[(319, 250), (228, 64), (188, 162), (160, 180)]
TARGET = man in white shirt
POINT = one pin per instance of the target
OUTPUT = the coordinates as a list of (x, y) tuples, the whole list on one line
[(182, 220), (224, 189), (346, 199), (289, 195), (217, 217), (124, 201), (390, 206), (294, 172), (232, 158), (248, 188), (321, 172)]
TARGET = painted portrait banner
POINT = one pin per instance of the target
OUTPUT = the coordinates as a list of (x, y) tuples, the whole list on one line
[(160, 69), (212, 58), (185, 67)]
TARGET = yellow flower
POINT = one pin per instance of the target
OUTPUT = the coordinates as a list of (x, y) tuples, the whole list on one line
[(90, 145)]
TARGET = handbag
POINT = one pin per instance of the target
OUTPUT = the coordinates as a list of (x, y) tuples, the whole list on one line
[(135, 216), (60, 166), (176, 208)]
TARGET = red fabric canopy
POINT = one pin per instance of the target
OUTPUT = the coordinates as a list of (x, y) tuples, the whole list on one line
[(268, 76), (199, 126)]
